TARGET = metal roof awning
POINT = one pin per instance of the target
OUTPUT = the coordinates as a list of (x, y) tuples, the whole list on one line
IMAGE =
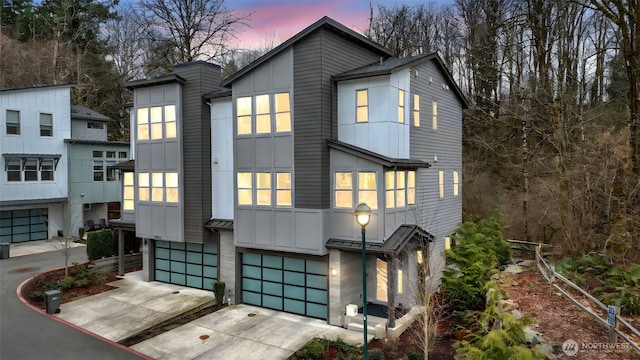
[(24, 157), (128, 165), (375, 157), (392, 246), (219, 224)]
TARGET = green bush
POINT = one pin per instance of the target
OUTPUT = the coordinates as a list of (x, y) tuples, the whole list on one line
[(218, 291), (480, 248), (101, 243)]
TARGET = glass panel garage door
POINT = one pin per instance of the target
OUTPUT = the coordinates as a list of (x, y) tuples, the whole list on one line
[(23, 225), (187, 264), (293, 285)]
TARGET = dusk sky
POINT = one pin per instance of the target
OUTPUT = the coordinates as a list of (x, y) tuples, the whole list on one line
[(278, 20)]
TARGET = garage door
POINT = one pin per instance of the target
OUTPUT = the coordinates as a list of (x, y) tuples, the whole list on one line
[(186, 264), (293, 285), (23, 225)]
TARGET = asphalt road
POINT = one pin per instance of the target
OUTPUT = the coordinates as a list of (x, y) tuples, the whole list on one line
[(30, 335)]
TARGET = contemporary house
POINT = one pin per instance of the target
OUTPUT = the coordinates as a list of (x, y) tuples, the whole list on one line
[(254, 180), (55, 157)]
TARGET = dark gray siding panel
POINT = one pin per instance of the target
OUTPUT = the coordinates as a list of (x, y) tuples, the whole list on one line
[(317, 58), (196, 141)]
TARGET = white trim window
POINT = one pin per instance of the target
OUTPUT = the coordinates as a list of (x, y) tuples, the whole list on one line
[(128, 199), (14, 170), (411, 187), (456, 184), (263, 189), (283, 112), (362, 105), (143, 187), (263, 114), (441, 183), (245, 188), (434, 115), (283, 189), (368, 189), (255, 114), (46, 125), (400, 188), (13, 122), (172, 188), (243, 111), (343, 190), (416, 110), (156, 123)]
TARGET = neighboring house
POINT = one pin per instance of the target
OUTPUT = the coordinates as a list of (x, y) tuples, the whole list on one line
[(94, 187), (53, 153), (254, 181)]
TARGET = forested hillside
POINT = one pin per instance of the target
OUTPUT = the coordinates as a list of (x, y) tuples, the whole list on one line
[(551, 139)]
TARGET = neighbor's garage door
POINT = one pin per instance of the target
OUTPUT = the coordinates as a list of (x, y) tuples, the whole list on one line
[(187, 264), (293, 285), (23, 225)]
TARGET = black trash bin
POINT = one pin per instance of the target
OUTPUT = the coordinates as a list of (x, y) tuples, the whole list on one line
[(5, 250), (52, 301)]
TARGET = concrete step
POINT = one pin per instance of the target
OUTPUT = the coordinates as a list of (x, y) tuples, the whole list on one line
[(371, 328)]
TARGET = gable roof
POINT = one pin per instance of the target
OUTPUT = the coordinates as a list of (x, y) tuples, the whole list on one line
[(38, 87), (158, 80), (390, 66), (392, 246), (375, 157), (325, 23)]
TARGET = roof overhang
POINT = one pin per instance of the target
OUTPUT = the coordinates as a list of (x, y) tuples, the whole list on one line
[(159, 80), (404, 236), (219, 224), (375, 157), (24, 157), (128, 165)]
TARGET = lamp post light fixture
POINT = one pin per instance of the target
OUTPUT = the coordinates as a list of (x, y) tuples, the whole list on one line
[(363, 216)]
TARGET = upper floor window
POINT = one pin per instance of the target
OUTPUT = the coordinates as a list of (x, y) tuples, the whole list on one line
[(283, 189), (122, 154), (155, 123), (102, 160), (362, 105), (400, 189), (416, 110), (46, 124), (128, 191), (343, 190), (13, 122), (98, 170), (441, 183), (401, 106), (14, 170), (30, 169), (156, 187), (95, 125), (434, 115), (111, 154), (263, 189), (245, 188), (366, 189), (259, 111), (243, 109), (263, 115), (456, 184), (283, 112)]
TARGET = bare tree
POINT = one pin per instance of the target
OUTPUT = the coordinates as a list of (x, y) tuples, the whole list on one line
[(179, 31)]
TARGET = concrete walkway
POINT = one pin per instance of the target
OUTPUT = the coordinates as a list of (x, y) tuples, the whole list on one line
[(37, 247)]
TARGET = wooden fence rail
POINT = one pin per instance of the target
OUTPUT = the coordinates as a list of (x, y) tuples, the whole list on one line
[(549, 273)]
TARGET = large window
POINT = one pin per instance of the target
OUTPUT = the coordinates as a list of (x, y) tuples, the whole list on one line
[(416, 110), (156, 123), (46, 124), (400, 189), (155, 187), (441, 183), (128, 193), (362, 105), (245, 188), (434, 115), (257, 112), (102, 162), (401, 106), (343, 190), (13, 122), (30, 169)]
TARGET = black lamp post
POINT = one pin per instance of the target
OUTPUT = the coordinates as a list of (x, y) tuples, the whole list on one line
[(363, 216)]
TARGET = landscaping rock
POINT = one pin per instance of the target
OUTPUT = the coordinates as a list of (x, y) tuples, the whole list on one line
[(532, 337)]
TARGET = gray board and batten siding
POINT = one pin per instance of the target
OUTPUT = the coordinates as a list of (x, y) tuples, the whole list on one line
[(317, 58)]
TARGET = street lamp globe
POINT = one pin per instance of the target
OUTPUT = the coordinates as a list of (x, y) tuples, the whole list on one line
[(363, 214)]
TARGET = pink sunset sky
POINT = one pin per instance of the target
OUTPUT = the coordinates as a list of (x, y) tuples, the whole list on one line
[(275, 21)]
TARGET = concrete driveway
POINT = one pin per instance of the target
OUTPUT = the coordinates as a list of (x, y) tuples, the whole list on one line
[(242, 332)]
